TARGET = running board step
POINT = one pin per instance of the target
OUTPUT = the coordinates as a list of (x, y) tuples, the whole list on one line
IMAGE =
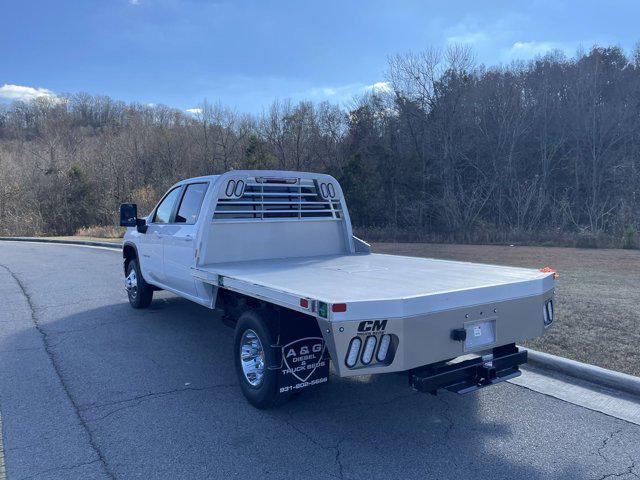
[(469, 375)]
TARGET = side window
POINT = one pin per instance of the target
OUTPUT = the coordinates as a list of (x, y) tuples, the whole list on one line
[(163, 212), (191, 203)]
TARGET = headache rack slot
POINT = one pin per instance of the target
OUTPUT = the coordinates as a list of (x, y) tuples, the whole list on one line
[(469, 375)]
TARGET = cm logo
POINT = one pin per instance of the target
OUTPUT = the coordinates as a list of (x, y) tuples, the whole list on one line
[(372, 326)]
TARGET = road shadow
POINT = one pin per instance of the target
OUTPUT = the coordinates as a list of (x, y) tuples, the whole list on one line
[(157, 390)]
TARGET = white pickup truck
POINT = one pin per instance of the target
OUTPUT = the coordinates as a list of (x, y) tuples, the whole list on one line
[(274, 250)]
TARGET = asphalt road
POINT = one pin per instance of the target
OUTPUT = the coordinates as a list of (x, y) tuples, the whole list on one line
[(90, 388)]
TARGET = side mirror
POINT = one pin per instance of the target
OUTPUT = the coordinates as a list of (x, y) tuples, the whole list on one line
[(128, 215), (141, 225)]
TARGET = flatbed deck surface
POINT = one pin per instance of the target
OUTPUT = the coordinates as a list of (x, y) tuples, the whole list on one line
[(374, 277)]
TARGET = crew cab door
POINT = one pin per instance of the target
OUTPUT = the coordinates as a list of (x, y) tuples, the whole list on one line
[(179, 239), (152, 241)]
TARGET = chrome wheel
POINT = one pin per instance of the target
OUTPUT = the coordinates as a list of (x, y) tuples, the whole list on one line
[(252, 358), (131, 283)]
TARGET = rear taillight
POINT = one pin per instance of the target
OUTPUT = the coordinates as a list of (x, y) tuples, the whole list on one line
[(371, 351), (339, 307), (369, 348), (383, 349), (548, 313), (352, 353)]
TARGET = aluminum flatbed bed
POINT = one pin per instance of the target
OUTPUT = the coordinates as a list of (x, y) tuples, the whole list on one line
[(396, 286)]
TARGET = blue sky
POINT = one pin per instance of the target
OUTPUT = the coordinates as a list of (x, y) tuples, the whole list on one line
[(246, 54)]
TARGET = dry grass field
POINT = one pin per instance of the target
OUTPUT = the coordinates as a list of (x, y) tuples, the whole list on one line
[(597, 298), (90, 238)]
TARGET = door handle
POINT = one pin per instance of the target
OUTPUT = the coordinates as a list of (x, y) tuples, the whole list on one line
[(188, 238)]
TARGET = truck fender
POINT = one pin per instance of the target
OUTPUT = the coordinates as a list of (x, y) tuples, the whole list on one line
[(129, 252)]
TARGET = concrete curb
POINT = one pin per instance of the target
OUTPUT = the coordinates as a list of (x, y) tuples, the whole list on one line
[(91, 243), (590, 373)]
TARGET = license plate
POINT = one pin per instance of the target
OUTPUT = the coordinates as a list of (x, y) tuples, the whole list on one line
[(480, 334)]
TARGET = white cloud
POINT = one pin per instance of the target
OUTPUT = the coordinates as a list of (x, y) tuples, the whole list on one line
[(526, 50), (341, 93), (194, 111), (468, 38), (531, 48), (254, 94), (333, 91), (470, 31), (379, 87), (338, 93), (25, 94), (500, 38)]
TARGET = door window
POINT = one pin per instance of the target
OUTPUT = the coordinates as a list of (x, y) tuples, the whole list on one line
[(191, 203), (163, 212)]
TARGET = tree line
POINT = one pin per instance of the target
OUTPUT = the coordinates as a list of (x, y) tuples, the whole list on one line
[(447, 150)]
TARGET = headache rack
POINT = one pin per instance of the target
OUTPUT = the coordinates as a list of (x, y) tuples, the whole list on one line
[(263, 198)]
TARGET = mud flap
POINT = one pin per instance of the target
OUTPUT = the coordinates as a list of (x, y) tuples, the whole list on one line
[(303, 359)]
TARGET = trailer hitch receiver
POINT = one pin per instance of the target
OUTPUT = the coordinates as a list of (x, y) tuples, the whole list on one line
[(467, 376)]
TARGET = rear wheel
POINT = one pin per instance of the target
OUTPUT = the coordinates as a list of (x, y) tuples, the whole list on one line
[(253, 356), (140, 292)]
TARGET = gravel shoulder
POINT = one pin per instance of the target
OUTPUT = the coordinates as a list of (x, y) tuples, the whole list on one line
[(92, 239)]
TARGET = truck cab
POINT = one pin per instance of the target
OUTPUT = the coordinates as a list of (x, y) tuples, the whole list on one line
[(164, 242)]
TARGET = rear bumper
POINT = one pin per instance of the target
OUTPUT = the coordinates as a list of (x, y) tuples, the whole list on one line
[(428, 339), (469, 375)]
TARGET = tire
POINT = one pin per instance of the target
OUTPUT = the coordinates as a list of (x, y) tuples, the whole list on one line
[(141, 293), (262, 393)]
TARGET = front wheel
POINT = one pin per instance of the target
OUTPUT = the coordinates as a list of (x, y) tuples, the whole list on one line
[(140, 292), (253, 355)]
